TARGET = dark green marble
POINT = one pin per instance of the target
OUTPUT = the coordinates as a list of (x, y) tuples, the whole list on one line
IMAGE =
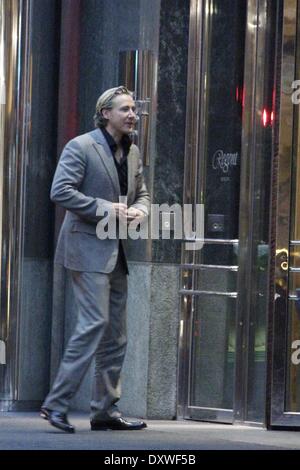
[(171, 111)]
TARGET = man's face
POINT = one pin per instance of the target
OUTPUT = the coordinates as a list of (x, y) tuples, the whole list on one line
[(121, 117)]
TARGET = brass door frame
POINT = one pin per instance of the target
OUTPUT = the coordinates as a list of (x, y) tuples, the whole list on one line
[(255, 82), (284, 178), (256, 34)]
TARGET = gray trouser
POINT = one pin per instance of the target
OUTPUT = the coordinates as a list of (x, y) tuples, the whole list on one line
[(101, 333)]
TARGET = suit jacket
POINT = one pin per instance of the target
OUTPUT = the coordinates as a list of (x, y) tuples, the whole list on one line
[(85, 177)]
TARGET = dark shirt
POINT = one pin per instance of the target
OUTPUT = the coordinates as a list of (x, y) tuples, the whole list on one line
[(122, 167)]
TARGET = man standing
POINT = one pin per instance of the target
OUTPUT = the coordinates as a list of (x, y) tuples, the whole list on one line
[(94, 170)]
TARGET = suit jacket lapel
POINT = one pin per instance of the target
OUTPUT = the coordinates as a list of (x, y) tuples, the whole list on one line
[(107, 158)]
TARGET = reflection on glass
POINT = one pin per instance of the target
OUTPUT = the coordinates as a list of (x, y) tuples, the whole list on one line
[(292, 399), (213, 352), (216, 279), (293, 359), (186, 279), (294, 261), (257, 337), (213, 327), (2, 127), (136, 71), (261, 180), (224, 119)]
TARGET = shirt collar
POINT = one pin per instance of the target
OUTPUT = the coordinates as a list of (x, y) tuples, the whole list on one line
[(125, 142)]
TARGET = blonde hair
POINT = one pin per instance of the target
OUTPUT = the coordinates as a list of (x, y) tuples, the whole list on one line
[(105, 101)]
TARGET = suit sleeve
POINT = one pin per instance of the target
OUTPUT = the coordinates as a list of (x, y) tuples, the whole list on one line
[(142, 198), (68, 176)]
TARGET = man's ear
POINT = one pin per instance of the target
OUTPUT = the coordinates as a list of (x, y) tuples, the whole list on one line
[(105, 113)]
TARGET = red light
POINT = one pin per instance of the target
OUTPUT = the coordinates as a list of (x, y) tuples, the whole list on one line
[(272, 118), (265, 117)]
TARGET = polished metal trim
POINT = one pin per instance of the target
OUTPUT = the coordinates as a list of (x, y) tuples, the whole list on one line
[(286, 420), (209, 408), (292, 297), (246, 212), (289, 115), (232, 295), (192, 147), (218, 415), (8, 314), (3, 319), (209, 266), (137, 71), (211, 241), (17, 129), (256, 80), (200, 174)]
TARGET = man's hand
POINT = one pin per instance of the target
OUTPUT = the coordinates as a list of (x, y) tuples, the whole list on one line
[(120, 210), (126, 214), (135, 214)]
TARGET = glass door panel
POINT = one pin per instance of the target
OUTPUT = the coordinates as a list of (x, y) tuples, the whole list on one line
[(285, 379), (292, 397), (210, 274), (228, 169), (213, 352), (258, 151), (292, 401)]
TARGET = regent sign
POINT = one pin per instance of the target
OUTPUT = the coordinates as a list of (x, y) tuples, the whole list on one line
[(224, 161)]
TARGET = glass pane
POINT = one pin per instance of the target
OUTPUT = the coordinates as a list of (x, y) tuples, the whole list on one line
[(224, 117), (293, 359), (294, 258), (219, 255), (292, 398), (257, 338), (213, 324), (219, 186), (294, 283), (216, 279), (261, 180), (213, 352), (292, 402)]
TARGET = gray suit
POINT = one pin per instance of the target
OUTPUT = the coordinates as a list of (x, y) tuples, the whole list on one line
[(86, 178)]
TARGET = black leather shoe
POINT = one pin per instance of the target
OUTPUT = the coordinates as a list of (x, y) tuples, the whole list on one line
[(57, 419), (119, 424)]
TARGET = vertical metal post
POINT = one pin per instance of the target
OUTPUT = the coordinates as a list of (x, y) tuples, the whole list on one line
[(193, 117), (15, 130)]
